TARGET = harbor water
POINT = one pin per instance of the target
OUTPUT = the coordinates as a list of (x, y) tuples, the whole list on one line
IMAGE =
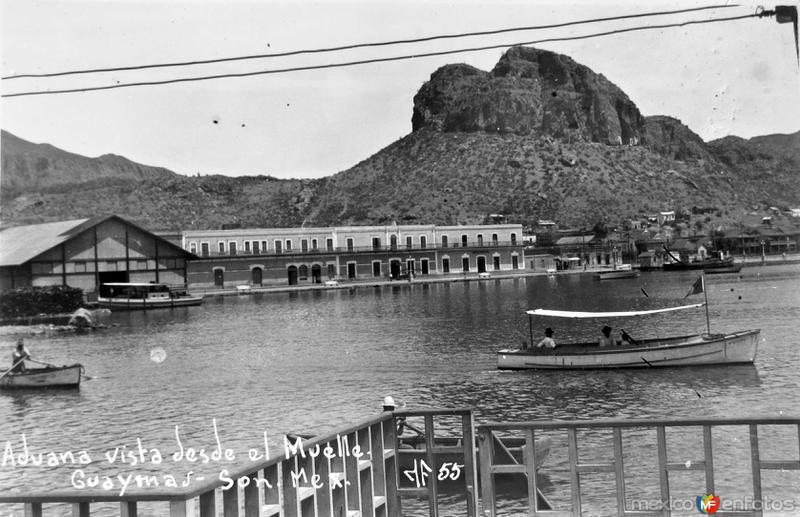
[(241, 369)]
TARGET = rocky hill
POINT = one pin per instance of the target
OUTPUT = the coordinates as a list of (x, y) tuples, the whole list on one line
[(539, 136)]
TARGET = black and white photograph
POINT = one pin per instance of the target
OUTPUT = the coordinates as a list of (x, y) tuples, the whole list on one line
[(383, 258)]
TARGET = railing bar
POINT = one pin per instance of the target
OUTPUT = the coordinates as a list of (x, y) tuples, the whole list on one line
[(575, 483), (619, 471), (487, 477), (470, 466), (780, 465), (595, 467), (640, 422), (694, 465), (509, 469), (663, 472), (433, 492), (709, 459), (756, 466), (530, 468)]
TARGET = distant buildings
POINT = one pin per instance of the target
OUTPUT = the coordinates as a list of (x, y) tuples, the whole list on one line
[(296, 256)]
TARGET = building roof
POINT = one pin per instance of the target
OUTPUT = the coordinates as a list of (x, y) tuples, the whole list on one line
[(573, 240), (21, 243)]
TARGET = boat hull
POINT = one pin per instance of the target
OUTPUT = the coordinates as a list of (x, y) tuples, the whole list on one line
[(51, 377), (735, 348), (126, 304), (710, 265), (613, 275)]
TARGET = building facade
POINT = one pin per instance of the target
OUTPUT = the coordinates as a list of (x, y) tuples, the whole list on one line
[(85, 253), (295, 256)]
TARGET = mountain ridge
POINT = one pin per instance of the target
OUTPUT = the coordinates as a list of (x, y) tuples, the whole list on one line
[(537, 137)]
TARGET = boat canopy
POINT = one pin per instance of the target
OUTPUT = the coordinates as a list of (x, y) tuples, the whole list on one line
[(625, 314)]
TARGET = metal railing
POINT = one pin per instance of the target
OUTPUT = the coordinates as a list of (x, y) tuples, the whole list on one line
[(577, 469), (350, 472)]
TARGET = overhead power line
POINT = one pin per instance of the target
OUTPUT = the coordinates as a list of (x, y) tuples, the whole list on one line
[(365, 45), (378, 60)]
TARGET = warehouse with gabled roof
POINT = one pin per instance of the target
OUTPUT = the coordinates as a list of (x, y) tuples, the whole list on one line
[(85, 253)]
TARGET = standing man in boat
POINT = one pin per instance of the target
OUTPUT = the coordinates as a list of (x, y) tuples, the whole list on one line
[(18, 357), (548, 341)]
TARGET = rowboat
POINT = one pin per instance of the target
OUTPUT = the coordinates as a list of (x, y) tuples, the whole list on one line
[(47, 377), (137, 296), (689, 350)]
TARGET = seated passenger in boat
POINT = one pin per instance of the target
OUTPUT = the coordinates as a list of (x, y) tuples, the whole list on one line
[(547, 342), (605, 338)]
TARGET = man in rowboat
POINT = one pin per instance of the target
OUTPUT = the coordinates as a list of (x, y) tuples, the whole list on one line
[(18, 357)]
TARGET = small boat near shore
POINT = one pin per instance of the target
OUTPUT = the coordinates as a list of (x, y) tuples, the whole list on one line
[(619, 271), (138, 296), (47, 377), (733, 268), (690, 350)]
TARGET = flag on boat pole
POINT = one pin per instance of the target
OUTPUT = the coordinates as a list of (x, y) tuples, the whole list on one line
[(700, 287), (697, 288)]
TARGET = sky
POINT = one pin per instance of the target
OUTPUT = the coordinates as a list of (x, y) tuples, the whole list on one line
[(733, 78)]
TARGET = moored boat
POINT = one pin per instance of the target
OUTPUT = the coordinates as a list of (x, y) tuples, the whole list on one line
[(136, 296), (690, 350), (619, 271), (47, 377), (733, 268)]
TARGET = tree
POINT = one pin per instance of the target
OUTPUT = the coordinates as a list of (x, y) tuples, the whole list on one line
[(600, 230)]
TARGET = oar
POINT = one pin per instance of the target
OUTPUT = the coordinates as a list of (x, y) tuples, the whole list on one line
[(12, 368), (39, 362)]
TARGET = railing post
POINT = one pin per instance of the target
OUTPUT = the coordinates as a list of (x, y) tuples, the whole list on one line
[(180, 509), (230, 502), (530, 470), (756, 467), (393, 503), (251, 504), (575, 482), (470, 467), (709, 459), (33, 509), (127, 509), (487, 476), (80, 510), (433, 489), (663, 471), (619, 471), (208, 504)]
